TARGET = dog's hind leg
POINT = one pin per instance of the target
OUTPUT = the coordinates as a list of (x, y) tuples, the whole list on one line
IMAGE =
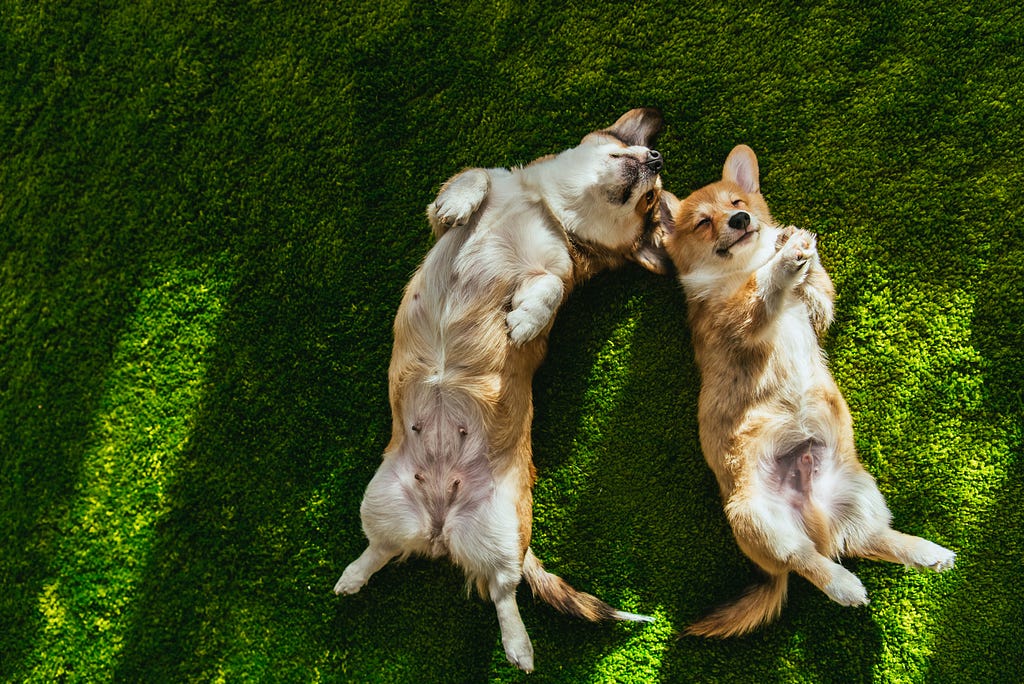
[(515, 640), (771, 534), (375, 557), (867, 530), (907, 549)]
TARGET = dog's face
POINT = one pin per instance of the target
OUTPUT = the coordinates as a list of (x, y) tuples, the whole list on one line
[(606, 190), (720, 227)]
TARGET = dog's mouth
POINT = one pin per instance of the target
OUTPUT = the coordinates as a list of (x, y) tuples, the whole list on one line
[(637, 175), (745, 237)]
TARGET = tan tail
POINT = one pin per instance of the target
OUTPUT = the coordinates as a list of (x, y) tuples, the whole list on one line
[(554, 590), (761, 603)]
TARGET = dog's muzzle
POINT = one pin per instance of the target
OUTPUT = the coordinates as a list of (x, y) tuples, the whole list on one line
[(654, 161)]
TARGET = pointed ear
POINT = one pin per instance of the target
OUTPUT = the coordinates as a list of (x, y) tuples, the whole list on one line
[(667, 206), (651, 253), (654, 258), (741, 169), (638, 127)]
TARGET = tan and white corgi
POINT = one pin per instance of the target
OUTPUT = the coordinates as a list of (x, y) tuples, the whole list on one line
[(774, 427), (457, 475)]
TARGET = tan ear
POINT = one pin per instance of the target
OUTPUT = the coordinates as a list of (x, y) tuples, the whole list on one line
[(654, 258), (741, 168), (638, 127), (651, 253), (668, 205)]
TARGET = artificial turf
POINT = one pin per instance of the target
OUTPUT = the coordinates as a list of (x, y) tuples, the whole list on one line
[(208, 211)]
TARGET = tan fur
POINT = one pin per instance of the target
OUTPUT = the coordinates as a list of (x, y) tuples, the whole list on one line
[(472, 328), (774, 427)]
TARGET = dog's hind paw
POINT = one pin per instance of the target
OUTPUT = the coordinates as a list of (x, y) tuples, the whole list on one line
[(937, 558), (520, 653), (349, 582), (846, 589)]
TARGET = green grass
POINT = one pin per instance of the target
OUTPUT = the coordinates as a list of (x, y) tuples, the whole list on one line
[(208, 212)]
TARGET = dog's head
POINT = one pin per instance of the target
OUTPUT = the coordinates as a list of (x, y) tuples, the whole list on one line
[(605, 190), (720, 227)]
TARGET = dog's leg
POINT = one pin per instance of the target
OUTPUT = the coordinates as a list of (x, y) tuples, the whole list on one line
[(518, 648), (838, 583), (907, 549), (769, 532), (818, 294), (789, 267), (533, 306), (756, 305), (375, 557), (458, 198)]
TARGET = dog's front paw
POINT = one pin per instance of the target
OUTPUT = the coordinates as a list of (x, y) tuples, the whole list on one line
[(524, 324), (460, 198), (799, 250), (453, 209)]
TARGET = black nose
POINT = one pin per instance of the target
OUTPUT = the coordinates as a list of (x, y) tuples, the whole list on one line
[(739, 221), (654, 162)]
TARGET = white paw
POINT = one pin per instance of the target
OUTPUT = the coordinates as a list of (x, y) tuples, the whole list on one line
[(937, 558), (460, 197), (519, 652), (350, 582), (523, 325), (799, 249), (454, 208), (846, 589)]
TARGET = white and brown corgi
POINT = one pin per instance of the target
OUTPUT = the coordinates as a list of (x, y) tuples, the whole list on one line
[(457, 475), (774, 427)]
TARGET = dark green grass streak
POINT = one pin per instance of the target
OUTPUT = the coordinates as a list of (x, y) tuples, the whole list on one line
[(208, 212)]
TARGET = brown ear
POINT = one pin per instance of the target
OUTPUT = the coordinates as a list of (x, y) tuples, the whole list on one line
[(654, 258), (668, 204), (638, 127), (651, 253), (741, 168)]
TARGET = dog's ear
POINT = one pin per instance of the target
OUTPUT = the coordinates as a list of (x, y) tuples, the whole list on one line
[(668, 204), (741, 168), (651, 252), (638, 127), (654, 258)]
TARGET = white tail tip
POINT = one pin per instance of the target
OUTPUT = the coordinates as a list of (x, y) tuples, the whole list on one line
[(632, 617)]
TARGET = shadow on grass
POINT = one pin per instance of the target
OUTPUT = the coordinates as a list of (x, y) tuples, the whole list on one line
[(79, 314), (979, 630)]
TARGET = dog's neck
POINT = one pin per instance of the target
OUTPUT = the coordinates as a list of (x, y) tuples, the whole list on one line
[(588, 258)]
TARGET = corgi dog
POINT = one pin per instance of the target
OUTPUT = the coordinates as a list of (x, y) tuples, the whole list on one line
[(773, 425), (456, 478)]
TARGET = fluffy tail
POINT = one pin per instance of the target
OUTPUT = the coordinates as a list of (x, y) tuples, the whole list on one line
[(761, 603), (554, 590)]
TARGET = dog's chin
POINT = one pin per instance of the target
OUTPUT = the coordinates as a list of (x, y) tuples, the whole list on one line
[(745, 241)]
